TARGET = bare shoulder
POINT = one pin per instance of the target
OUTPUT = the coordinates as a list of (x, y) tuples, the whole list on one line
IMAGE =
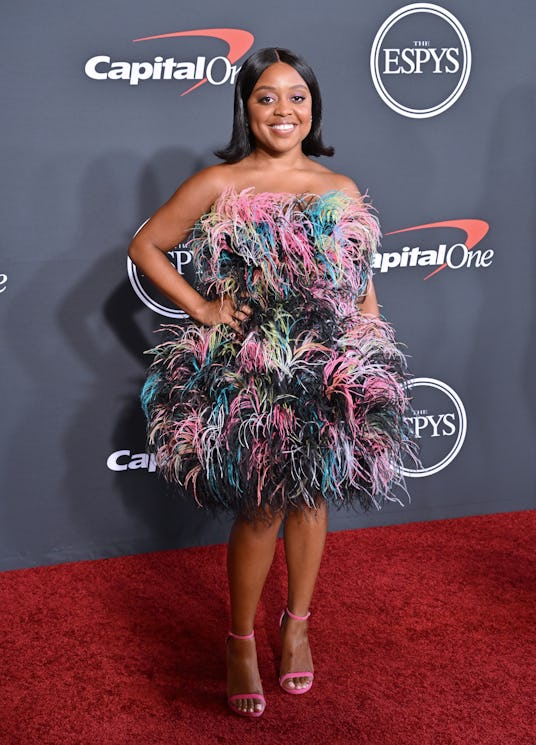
[(205, 186), (175, 219), (326, 180), (340, 182)]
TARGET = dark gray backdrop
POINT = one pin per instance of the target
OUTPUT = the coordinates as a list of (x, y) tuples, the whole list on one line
[(86, 161)]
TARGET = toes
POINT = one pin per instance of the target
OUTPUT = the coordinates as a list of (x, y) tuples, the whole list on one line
[(294, 684), (248, 705), (251, 705)]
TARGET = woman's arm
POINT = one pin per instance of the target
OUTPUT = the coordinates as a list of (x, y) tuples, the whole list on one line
[(170, 225), (368, 303)]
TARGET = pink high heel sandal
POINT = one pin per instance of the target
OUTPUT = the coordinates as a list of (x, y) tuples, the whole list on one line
[(238, 696), (292, 676)]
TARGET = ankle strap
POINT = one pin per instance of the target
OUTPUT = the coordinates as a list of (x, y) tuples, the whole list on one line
[(295, 617), (240, 636)]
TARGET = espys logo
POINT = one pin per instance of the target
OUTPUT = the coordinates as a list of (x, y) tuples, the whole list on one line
[(420, 60), (216, 71), (438, 424), (181, 259), (445, 253)]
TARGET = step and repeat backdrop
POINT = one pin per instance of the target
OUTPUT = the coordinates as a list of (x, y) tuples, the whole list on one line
[(109, 106)]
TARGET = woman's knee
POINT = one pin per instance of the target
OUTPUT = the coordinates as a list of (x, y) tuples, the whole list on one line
[(309, 515), (264, 522)]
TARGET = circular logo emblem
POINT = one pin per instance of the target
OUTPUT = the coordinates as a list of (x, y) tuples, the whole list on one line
[(438, 423), (420, 60), (181, 258)]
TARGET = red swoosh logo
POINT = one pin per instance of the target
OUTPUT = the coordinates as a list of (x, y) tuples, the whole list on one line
[(474, 231), (238, 41)]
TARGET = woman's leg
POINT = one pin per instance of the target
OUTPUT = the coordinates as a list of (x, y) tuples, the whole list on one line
[(305, 536), (249, 556)]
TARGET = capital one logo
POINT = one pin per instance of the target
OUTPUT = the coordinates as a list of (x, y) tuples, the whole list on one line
[(438, 424), (420, 60), (443, 250), (125, 460), (164, 66)]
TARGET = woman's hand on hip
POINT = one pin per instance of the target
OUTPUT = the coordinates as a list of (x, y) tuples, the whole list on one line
[(223, 310)]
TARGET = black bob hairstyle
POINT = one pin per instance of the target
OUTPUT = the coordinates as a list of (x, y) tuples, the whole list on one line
[(242, 142)]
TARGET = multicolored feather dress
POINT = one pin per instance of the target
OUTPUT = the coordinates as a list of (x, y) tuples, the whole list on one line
[(309, 405)]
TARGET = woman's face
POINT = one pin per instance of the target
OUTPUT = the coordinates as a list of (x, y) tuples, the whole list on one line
[(279, 109)]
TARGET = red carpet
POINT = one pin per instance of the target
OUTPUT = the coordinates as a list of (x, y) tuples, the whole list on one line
[(422, 634)]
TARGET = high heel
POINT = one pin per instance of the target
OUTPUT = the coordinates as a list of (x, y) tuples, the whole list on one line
[(292, 676), (238, 696)]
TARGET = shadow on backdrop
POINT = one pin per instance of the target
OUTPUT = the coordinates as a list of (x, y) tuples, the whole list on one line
[(158, 519)]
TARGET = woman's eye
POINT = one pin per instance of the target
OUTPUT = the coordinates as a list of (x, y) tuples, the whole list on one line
[(298, 99), (266, 99)]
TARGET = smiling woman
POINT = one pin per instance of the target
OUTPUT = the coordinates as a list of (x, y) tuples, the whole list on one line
[(285, 393), (279, 109), (295, 71)]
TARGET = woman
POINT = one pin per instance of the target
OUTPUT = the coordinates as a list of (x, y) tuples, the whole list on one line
[(286, 393)]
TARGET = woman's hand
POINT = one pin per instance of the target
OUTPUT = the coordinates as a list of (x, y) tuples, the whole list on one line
[(223, 310)]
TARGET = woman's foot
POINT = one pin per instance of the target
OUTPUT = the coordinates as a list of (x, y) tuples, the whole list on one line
[(295, 655), (243, 676)]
